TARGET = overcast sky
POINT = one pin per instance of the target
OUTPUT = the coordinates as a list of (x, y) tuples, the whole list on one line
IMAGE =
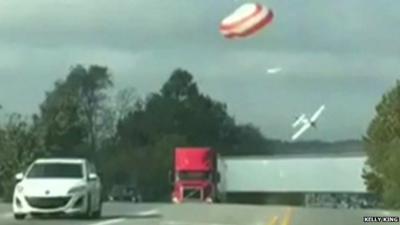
[(342, 53)]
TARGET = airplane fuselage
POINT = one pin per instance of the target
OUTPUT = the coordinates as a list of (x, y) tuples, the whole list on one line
[(307, 121)]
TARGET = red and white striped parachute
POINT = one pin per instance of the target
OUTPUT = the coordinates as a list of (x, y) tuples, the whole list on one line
[(246, 20)]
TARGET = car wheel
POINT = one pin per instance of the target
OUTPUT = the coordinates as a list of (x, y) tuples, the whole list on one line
[(19, 216)]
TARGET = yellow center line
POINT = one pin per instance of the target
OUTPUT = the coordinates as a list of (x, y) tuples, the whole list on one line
[(287, 219), (273, 220)]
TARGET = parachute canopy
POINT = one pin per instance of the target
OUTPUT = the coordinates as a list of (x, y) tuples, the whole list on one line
[(245, 21)]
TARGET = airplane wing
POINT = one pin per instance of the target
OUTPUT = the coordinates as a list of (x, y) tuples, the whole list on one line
[(301, 131), (299, 120), (317, 113)]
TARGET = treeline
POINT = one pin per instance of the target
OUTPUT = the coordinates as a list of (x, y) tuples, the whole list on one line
[(131, 139), (382, 144), (345, 147)]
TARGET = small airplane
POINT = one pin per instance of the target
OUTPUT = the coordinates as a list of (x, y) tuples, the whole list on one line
[(274, 70), (306, 123)]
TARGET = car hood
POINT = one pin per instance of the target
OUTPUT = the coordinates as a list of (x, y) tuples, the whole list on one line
[(49, 187)]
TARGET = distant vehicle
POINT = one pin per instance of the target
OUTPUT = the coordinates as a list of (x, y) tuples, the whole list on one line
[(124, 193), (306, 123), (58, 186), (195, 176)]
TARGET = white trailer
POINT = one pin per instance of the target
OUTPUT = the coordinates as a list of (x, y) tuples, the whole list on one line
[(222, 179), (293, 175)]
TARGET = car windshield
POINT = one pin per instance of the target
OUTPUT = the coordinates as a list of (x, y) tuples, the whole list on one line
[(56, 170)]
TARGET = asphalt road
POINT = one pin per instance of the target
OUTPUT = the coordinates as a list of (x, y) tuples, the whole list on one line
[(203, 214)]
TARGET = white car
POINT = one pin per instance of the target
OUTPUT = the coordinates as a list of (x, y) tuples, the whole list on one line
[(58, 186)]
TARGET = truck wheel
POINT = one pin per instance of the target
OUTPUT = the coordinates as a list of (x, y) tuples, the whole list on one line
[(19, 216)]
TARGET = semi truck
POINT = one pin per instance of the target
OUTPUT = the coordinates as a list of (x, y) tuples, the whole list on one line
[(200, 174), (196, 175)]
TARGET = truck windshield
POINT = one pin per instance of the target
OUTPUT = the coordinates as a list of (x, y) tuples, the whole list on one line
[(56, 170), (194, 175)]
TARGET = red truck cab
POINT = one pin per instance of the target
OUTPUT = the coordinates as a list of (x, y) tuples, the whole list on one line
[(195, 176)]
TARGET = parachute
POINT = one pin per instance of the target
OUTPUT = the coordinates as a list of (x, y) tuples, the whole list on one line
[(246, 20)]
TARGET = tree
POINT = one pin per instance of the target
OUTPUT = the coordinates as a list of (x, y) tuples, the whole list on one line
[(74, 115), (20, 144), (382, 144), (61, 120), (178, 115), (249, 140), (157, 161), (179, 109), (116, 160), (126, 101), (93, 83), (180, 86)]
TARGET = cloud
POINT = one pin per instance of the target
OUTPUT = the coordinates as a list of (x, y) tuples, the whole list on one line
[(351, 26), (125, 25), (342, 53), (26, 73)]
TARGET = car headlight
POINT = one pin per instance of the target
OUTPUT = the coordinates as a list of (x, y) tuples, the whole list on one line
[(77, 189), (175, 200), (20, 188)]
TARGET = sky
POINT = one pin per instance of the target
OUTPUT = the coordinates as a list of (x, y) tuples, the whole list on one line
[(343, 54)]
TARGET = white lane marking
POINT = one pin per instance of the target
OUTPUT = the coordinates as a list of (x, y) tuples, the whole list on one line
[(148, 213), (112, 221), (191, 223)]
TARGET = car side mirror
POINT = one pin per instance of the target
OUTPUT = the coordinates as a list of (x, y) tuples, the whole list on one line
[(19, 176), (93, 176)]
